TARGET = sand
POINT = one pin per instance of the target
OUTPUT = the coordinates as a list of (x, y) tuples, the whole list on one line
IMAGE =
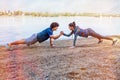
[(88, 61)]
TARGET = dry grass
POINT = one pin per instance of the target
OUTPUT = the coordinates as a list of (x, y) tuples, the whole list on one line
[(89, 61)]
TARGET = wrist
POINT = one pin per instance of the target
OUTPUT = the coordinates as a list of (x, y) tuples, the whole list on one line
[(51, 44), (60, 34)]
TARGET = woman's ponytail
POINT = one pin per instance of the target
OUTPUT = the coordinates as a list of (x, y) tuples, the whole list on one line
[(73, 24)]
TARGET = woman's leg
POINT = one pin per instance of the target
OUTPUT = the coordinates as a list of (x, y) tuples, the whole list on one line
[(98, 36)]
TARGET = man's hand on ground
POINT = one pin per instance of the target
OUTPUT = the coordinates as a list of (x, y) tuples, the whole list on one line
[(52, 46)]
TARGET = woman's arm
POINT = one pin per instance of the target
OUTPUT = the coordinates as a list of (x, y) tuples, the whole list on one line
[(68, 35), (74, 41)]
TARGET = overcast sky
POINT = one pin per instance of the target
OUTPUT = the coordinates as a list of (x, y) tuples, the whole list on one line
[(99, 6)]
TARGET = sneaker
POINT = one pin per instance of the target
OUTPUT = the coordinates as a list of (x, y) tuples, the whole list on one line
[(8, 47), (100, 41), (114, 42), (28, 45)]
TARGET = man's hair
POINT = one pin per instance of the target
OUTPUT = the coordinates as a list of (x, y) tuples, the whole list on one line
[(54, 24)]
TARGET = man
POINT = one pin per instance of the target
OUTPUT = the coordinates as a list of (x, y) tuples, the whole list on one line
[(39, 37)]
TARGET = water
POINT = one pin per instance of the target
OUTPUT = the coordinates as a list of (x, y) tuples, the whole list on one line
[(15, 28)]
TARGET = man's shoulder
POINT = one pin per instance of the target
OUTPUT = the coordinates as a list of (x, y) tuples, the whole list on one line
[(45, 30), (49, 29)]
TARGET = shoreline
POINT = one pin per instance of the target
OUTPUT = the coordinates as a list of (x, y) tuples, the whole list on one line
[(71, 38), (87, 61)]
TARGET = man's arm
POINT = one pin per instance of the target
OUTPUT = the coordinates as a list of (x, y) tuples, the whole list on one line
[(55, 37), (51, 42), (52, 38)]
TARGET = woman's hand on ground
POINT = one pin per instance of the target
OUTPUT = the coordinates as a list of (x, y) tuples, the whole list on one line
[(72, 47)]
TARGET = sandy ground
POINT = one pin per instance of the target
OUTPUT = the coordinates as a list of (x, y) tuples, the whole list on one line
[(89, 61)]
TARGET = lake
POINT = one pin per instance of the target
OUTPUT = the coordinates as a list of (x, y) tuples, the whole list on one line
[(14, 28)]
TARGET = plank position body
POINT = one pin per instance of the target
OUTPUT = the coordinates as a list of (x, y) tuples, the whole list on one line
[(39, 37), (77, 31)]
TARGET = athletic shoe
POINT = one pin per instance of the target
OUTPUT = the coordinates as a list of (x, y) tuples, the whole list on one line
[(114, 42), (100, 41), (8, 47)]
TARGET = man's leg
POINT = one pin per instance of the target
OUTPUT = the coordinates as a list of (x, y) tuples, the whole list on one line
[(17, 42), (29, 41), (9, 45)]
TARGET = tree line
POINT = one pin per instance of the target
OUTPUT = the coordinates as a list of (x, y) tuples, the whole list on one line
[(47, 14)]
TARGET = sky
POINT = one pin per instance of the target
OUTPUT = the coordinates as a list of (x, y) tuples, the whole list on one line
[(55, 6)]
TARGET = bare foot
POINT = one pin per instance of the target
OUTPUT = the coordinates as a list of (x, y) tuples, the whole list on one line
[(8, 47)]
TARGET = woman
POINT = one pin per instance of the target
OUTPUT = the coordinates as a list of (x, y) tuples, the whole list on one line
[(77, 31)]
